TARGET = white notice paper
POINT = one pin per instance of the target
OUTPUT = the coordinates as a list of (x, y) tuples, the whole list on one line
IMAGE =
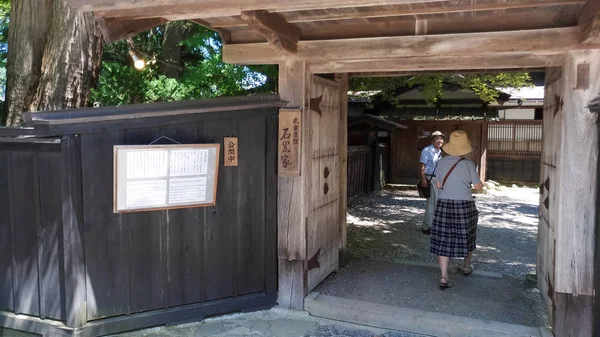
[(147, 164), (189, 162), (150, 193), (187, 190)]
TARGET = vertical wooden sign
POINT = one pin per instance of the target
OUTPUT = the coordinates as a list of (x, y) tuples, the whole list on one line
[(290, 142), (231, 151)]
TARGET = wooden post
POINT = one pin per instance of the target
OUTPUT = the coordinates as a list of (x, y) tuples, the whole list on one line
[(574, 212), (292, 208), (595, 108), (343, 148)]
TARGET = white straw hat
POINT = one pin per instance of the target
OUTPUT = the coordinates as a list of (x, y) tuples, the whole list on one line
[(458, 144)]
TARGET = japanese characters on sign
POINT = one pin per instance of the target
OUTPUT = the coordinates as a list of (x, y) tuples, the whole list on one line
[(153, 177), (231, 151), (290, 141)]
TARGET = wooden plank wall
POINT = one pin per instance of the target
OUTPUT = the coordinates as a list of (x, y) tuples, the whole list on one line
[(323, 231), (407, 145), (139, 262), (31, 234)]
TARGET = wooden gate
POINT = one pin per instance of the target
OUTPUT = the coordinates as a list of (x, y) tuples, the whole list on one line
[(546, 256), (323, 230)]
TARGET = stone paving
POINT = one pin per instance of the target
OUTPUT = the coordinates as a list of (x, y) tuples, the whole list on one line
[(276, 322)]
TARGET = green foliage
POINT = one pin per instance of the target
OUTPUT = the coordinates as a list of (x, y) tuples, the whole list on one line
[(202, 71), (433, 85)]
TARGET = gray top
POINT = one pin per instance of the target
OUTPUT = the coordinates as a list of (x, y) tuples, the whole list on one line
[(458, 185)]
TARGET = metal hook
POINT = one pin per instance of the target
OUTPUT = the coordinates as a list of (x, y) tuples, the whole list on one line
[(164, 137)]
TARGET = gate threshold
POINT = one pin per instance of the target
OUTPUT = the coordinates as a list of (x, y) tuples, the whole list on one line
[(412, 320)]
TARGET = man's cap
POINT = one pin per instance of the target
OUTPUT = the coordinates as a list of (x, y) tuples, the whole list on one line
[(437, 133)]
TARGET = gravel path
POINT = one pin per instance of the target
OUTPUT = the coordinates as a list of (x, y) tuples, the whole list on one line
[(386, 225)]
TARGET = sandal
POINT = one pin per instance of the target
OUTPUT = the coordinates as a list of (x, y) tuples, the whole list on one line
[(445, 285), (467, 270)]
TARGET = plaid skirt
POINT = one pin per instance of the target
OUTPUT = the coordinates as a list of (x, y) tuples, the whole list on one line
[(454, 229)]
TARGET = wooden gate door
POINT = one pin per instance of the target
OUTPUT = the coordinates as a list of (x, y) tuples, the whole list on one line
[(323, 230)]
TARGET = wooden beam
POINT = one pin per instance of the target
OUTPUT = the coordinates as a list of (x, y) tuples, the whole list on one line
[(274, 28), (589, 23), (118, 29), (531, 41), (414, 65), (223, 33), (216, 8), (444, 72), (442, 8), (402, 26)]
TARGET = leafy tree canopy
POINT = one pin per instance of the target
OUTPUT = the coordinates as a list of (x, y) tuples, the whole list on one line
[(432, 85), (202, 73)]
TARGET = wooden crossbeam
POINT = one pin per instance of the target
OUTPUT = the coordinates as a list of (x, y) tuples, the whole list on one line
[(217, 8), (448, 72), (223, 33), (274, 28), (443, 8), (589, 22), (412, 65), (541, 41), (116, 29)]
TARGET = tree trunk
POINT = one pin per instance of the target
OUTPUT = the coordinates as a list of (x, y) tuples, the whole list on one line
[(29, 23), (63, 73), (171, 49)]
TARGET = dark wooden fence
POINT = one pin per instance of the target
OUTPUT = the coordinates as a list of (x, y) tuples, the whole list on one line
[(359, 173), (368, 169), (73, 267)]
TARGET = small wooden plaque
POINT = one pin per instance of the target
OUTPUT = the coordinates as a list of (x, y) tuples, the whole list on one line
[(583, 76), (231, 151), (289, 151)]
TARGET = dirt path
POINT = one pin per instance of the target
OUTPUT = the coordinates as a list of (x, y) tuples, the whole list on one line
[(386, 226)]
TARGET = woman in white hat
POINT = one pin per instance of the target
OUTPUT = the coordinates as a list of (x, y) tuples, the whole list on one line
[(453, 233)]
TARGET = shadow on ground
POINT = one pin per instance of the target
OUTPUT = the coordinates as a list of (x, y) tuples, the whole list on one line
[(386, 225), (387, 251)]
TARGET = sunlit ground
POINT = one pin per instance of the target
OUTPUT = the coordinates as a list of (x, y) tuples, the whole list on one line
[(386, 226)]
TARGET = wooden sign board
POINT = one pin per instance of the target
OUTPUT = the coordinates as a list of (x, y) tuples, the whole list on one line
[(160, 177), (231, 151), (290, 142)]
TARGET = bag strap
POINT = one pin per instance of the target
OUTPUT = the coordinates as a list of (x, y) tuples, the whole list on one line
[(451, 169)]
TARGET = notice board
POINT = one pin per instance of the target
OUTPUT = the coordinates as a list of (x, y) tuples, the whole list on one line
[(159, 177)]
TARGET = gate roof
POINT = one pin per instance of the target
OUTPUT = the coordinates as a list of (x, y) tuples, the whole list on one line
[(382, 36)]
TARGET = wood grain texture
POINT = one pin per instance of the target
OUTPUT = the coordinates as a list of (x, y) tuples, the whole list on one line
[(395, 12), (323, 231), (274, 28), (577, 162), (291, 208), (589, 23), (6, 243), (573, 315), (292, 200), (490, 43), (343, 162), (215, 8)]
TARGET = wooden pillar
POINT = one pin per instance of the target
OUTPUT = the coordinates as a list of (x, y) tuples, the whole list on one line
[(343, 148), (572, 207), (595, 108), (292, 206)]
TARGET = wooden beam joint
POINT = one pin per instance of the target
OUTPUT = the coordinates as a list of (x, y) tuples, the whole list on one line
[(275, 29), (589, 23), (223, 33)]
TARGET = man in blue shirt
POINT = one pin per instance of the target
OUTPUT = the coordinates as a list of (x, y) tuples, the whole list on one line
[(429, 158)]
